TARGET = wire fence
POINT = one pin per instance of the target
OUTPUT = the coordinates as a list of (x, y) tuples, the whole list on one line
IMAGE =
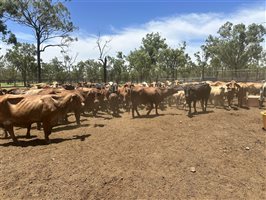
[(243, 75)]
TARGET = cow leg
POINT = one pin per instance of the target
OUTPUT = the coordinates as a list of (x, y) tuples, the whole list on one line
[(137, 111), (206, 103), (202, 105), (194, 105), (5, 133), (77, 116), (133, 110), (38, 125), (189, 107), (28, 131), (156, 109), (150, 109), (10, 130), (47, 128)]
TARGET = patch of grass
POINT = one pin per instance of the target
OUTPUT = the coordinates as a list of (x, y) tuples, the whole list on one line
[(5, 85)]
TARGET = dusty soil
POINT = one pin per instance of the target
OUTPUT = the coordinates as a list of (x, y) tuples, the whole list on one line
[(145, 158)]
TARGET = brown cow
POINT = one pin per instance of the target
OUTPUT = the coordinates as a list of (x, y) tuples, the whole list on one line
[(114, 103), (92, 101), (124, 97), (149, 95), (18, 110)]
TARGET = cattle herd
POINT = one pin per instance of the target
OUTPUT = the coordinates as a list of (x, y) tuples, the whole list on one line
[(50, 105)]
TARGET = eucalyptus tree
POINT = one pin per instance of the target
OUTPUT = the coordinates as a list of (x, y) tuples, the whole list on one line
[(153, 44), (22, 57), (93, 70), (55, 70), (50, 21), (103, 50), (139, 65), (173, 59), (78, 72), (144, 62), (202, 59), (237, 46), (4, 7), (119, 71)]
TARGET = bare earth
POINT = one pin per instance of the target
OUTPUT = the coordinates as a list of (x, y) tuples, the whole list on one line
[(144, 158)]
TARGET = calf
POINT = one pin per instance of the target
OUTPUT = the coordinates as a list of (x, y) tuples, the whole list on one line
[(196, 92)]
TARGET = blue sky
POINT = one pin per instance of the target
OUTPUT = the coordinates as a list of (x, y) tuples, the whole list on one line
[(127, 22), (103, 15)]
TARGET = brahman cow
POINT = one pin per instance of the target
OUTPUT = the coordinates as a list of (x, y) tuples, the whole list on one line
[(21, 110), (218, 95), (149, 95)]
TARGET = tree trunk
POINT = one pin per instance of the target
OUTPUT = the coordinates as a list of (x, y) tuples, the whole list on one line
[(24, 76), (39, 59), (105, 70), (202, 73)]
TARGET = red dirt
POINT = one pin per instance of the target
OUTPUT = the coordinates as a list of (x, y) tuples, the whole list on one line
[(144, 158)]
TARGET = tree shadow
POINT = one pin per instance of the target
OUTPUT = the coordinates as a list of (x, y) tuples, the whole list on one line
[(41, 142)]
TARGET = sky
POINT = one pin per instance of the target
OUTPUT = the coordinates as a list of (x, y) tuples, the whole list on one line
[(126, 22)]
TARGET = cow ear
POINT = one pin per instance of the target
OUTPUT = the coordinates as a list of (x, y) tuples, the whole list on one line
[(237, 85)]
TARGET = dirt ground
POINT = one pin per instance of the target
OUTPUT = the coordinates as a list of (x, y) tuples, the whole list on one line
[(144, 158)]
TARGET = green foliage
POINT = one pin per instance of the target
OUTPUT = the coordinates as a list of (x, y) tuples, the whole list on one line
[(7, 36), (119, 70), (48, 19), (55, 71), (236, 46), (21, 57)]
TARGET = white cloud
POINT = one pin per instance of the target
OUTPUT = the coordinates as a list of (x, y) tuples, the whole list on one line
[(193, 28)]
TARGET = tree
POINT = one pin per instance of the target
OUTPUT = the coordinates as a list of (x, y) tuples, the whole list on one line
[(153, 44), (139, 65), (68, 62), (48, 19), (144, 62), (55, 71), (173, 59), (78, 71), (103, 50), (119, 71), (237, 45), (202, 58), (21, 57), (4, 7)]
